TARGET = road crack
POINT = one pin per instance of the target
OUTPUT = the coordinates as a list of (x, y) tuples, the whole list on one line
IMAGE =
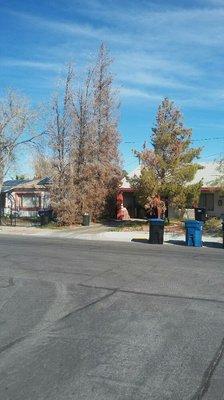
[(209, 372), (10, 283), (11, 344), (160, 295), (89, 304)]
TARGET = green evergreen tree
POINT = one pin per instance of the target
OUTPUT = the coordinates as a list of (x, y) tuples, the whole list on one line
[(169, 167)]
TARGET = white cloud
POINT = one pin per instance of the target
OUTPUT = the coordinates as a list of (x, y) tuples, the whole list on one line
[(72, 28), (133, 93), (214, 3), (31, 64), (59, 26), (153, 80), (174, 50), (154, 61)]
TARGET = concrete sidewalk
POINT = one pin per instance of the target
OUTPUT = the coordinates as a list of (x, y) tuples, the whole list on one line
[(100, 232), (141, 237), (53, 232)]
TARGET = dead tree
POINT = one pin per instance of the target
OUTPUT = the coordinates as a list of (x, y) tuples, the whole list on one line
[(16, 129)]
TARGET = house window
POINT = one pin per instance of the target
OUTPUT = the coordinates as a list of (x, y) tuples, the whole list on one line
[(207, 201), (46, 200), (30, 201)]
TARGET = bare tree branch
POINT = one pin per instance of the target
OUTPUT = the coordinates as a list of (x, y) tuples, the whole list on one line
[(16, 125)]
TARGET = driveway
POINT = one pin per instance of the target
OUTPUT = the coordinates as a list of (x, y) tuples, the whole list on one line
[(103, 321)]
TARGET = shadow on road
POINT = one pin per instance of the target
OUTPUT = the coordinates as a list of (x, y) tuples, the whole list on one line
[(205, 244), (213, 244), (176, 242), (181, 243), (140, 240)]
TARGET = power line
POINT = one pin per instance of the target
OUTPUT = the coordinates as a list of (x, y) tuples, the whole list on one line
[(212, 155), (205, 139), (193, 140)]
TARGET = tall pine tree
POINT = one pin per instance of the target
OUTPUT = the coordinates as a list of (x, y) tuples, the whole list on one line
[(168, 169)]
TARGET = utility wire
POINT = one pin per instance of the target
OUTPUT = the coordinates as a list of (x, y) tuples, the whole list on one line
[(205, 139), (193, 140), (212, 155)]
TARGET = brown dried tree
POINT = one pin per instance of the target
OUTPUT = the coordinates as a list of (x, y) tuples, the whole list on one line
[(107, 166), (85, 138), (42, 164), (61, 132), (82, 147)]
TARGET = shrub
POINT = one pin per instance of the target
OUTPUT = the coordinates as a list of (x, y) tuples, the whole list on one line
[(213, 226)]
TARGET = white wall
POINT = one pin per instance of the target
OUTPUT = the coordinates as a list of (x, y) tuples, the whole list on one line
[(218, 210)]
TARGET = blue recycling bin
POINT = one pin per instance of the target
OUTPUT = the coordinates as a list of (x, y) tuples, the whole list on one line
[(194, 233)]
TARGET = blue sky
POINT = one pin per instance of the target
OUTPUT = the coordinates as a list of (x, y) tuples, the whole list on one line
[(160, 48)]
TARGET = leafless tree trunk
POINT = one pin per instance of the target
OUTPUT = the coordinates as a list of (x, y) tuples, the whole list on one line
[(83, 147), (16, 129), (42, 164), (61, 131)]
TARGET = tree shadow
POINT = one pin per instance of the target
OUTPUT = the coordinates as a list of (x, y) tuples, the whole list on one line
[(132, 223)]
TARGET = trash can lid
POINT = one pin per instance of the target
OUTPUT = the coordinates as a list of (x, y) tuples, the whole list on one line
[(193, 223), (156, 221)]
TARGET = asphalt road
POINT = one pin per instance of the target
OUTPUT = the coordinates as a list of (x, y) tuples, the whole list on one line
[(105, 321)]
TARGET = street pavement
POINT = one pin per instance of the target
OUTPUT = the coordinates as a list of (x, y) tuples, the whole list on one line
[(105, 320)]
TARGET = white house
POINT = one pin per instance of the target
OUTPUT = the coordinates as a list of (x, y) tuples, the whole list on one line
[(25, 197), (211, 198)]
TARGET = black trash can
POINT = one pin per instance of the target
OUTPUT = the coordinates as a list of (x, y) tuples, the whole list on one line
[(44, 217), (156, 230), (86, 219), (200, 214), (223, 234), (44, 220)]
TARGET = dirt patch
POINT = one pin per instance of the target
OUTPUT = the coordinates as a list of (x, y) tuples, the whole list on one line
[(177, 227)]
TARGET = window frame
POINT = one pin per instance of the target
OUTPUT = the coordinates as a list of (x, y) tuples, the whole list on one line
[(30, 195), (203, 201)]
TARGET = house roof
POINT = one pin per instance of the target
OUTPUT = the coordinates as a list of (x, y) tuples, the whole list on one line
[(208, 174), (125, 184), (10, 184), (25, 184), (34, 184)]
